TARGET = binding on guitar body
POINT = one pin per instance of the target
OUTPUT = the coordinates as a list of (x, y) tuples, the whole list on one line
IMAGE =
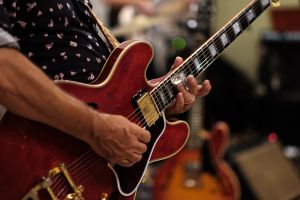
[(50, 165)]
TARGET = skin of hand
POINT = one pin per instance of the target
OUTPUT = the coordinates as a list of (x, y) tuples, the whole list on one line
[(113, 137), (118, 140), (187, 94), (124, 142)]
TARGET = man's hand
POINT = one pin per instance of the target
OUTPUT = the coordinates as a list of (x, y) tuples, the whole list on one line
[(187, 94), (118, 140)]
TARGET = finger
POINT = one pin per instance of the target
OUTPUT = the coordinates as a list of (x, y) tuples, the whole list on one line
[(187, 96), (204, 89), (178, 61), (179, 105), (192, 85), (134, 158), (145, 137), (125, 163), (140, 148), (182, 89)]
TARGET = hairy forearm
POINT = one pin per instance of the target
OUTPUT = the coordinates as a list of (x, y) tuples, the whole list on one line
[(25, 90)]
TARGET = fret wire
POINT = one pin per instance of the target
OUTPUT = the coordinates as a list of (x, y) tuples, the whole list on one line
[(244, 23), (165, 92), (218, 42), (244, 17), (258, 9), (240, 18)]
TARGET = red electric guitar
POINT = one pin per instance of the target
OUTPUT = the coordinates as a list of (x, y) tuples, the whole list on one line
[(39, 162)]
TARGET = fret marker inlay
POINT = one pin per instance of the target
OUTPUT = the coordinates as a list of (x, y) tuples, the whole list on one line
[(265, 3), (208, 52), (236, 28), (197, 64), (169, 91), (162, 96), (250, 15), (224, 39), (212, 50)]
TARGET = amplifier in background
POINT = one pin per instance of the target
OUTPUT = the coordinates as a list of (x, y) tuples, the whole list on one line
[(265, 173)]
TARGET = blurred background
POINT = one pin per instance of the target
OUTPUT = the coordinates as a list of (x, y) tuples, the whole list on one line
[(245, 140)]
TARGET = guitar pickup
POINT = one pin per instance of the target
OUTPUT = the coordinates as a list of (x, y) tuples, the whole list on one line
[(148, 109)]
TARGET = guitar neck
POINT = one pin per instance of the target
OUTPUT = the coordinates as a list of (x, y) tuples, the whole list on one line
[(165, 93)]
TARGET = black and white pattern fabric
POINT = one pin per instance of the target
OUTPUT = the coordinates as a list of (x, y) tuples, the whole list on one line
[(59, 36)]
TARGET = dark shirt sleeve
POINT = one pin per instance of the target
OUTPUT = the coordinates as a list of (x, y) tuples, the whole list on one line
[(6, 37)]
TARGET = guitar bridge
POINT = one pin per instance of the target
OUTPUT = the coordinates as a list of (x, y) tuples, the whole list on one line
[(148, 109), (47, 182)]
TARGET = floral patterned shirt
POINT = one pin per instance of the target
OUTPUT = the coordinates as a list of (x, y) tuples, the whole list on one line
[(59, 36)]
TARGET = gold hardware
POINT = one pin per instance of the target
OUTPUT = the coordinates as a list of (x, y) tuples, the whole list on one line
[(275, 3), (77, 195), (54, 172), (46, 183), (144, 180), (148, 109), (104, 196), (110, 165)]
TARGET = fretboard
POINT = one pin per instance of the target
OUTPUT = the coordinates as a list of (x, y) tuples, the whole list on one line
[(165, 92)]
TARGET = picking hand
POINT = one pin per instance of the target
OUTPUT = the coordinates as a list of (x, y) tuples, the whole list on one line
[(118, 140)]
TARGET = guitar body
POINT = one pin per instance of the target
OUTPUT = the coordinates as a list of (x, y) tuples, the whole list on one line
[(39, 162), (30, 150), (179, 177)]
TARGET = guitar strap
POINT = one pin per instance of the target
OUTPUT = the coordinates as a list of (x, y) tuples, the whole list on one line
[(113, 42)]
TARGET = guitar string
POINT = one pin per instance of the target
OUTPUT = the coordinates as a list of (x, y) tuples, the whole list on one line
[(231, 30), (252, 6), (89, 167), (73, 168), (240, 18), (83, 178), (211, 57), (60, 180), (218, 44)]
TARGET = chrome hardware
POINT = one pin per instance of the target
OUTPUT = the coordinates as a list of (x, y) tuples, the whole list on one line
[(178, 78)]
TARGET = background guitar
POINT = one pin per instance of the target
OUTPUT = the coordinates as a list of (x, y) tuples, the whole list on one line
[(199, 173), (63, 157)]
